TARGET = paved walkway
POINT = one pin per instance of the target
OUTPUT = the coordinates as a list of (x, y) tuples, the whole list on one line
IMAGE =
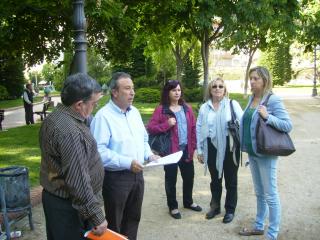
[(15, 117), (298, 183)]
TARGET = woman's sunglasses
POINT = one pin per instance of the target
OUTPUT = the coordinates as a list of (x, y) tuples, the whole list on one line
[(217, 86)]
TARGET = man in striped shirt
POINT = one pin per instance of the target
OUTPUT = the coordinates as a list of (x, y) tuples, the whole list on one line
[(71, 169)]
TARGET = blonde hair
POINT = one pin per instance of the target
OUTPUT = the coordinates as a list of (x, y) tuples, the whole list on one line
[(265, 76), (209, 87)]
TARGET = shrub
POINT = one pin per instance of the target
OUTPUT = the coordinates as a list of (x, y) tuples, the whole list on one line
[(193, 94), (3, 93), (147, 95)]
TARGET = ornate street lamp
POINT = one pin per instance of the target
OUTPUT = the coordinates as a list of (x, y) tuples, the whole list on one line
[(314, 90), (79, 63)]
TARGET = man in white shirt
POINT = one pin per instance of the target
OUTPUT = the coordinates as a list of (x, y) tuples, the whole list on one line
[(122, 142)]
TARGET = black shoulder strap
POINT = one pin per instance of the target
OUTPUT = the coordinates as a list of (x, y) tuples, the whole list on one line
[(233, 115)]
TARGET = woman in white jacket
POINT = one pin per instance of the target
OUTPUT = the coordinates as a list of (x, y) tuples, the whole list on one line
[(217, 149)]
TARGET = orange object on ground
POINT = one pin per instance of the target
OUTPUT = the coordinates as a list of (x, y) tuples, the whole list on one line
[(108, 235)]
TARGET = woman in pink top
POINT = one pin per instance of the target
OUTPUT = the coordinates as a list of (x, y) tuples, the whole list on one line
[(174, 115)]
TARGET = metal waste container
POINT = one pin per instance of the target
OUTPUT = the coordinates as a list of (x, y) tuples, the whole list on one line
[(14, 194)]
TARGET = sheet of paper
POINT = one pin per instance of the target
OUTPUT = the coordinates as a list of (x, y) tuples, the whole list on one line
[(172, 158)]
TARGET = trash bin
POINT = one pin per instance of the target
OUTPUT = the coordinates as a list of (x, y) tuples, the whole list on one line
[(14, 196), (15, 186)]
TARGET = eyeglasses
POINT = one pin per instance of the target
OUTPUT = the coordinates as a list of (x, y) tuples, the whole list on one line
[(217, 86)]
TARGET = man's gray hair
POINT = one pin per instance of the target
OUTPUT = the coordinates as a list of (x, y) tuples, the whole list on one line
[(77, 87), (115, 78)]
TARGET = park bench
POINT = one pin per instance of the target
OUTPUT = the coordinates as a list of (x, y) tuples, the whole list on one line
[(44, 112), (1, 118)]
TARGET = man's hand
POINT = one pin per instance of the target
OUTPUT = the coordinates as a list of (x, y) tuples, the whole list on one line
[(136, 167), (100, 229)]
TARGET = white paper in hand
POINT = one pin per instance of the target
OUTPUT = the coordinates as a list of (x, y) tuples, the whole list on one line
[(172, 158)]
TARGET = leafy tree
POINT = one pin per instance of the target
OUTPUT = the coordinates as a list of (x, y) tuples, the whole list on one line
[(278, 60), (309, 24), (267, 23), (11, 76), (191, 72)]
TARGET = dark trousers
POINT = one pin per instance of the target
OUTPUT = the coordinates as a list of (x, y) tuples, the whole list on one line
[(187, 174), (123, 194), (29, 114), (62, 220), (230, 173)]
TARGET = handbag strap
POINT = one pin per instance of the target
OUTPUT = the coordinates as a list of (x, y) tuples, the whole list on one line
[(233, 114), (267, 99)]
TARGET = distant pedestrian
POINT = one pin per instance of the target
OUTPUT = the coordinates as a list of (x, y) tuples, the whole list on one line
[(28, 103), (71, 168)]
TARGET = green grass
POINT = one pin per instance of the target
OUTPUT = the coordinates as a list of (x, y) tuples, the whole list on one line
[(4, 104), (20, 146)]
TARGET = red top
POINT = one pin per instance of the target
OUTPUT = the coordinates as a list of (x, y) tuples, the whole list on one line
[(159, 123)]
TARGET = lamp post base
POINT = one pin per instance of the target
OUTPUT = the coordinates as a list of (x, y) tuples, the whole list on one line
[(314, 92)]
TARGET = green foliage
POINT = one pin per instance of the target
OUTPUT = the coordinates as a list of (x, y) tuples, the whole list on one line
[(147, 95), (193, 94), (278, 60), (191, 72), (309, 24), (98, 68), (11, 76), (20, 147), (3, 93)]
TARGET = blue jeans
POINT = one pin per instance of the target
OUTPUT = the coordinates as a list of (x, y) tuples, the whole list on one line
[(264, 176)]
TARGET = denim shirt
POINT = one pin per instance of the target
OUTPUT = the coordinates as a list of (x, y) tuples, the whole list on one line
[(278, 118), (182, 127)]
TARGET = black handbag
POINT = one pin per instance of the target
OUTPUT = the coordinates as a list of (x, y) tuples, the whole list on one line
[(271, 141), (160, 143), (233, 126)]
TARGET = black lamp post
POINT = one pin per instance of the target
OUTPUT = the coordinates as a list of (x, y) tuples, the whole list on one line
[(314, 90), (79, 63)]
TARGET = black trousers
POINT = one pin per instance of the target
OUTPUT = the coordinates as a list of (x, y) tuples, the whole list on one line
[(29, 114), (62, 220), (230, 174), (123, 194), (187, 174)]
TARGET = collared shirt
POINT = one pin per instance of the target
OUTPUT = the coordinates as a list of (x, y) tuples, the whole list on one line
[(71, 167), (121, 137), (182, 127)]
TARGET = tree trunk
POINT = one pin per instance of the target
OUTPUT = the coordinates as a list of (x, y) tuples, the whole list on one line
[(205, 60), (246, 78), (176, 49)]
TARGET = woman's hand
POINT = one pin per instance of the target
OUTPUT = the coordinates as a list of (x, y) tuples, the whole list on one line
[(200, 158), (262, 110), (172, 121)]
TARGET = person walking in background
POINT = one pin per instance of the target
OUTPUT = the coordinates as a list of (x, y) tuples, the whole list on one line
[(28, 103), (71, 172), (174, 115), (123, 145), (263, 167), (217, 149)]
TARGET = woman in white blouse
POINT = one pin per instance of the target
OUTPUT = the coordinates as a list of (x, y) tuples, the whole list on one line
[(216, 148)]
